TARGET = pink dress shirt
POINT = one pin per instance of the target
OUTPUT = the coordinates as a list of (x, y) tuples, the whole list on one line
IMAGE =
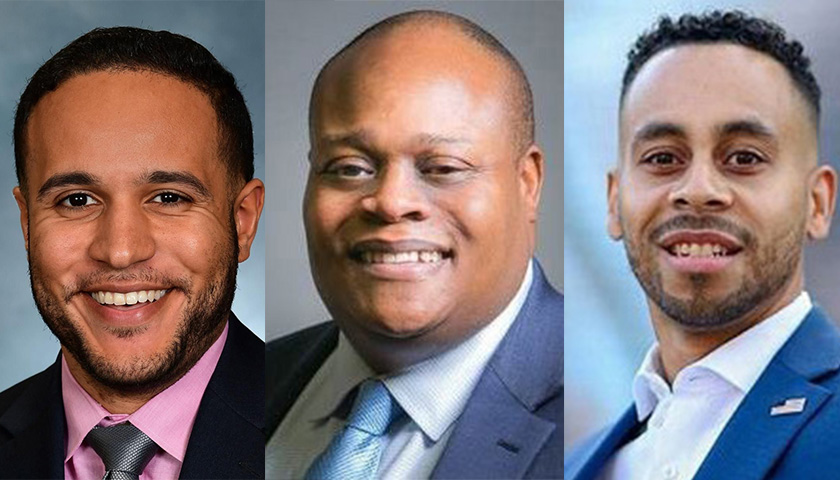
[(167, 419)]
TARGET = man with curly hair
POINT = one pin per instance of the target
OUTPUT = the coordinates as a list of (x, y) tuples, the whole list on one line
[(715, 192)]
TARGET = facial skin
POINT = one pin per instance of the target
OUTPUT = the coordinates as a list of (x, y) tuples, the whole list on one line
[(126, 192), (728, 161), (413, 151)]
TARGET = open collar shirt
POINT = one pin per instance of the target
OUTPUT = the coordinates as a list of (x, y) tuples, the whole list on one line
[(684, 420)]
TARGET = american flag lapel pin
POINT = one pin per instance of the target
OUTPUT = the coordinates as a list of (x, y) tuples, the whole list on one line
[(790, 406)]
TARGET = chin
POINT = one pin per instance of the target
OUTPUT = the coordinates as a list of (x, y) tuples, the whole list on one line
[(400, 324)]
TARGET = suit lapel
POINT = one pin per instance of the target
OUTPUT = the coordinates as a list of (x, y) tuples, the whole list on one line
[(290, 364), (594, 456), (513, 414), (37, 427), (753, 439), (227, 438), (504, 447)]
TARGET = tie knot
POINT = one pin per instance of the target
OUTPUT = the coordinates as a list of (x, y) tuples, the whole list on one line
[(124, 449), (374, 408)]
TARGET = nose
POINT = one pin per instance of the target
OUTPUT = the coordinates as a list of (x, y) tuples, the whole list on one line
[(398, 195), (702, 188), (123, 237)]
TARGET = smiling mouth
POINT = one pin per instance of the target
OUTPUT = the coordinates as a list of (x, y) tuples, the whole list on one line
[(698, 250), (127, 298), (398, 258)]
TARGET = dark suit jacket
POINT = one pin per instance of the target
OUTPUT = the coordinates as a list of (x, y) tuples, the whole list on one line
[(512, 426), (754, 444), (226, 440)]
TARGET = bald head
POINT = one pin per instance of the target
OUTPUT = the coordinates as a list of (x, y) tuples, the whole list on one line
[(439, 41)]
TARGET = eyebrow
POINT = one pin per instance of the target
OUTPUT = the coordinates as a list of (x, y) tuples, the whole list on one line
[(752, 128), (357, 139), (432, 139), (363, 139), (60, 180), (655, 130), (179, 177)]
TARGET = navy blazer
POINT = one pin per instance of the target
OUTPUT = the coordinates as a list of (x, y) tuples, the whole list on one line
[(226, 440), (754, 444), (512, 426)]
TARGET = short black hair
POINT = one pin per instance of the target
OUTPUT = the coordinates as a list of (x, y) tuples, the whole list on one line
[(137, 49), (523, 98), (734, 27)]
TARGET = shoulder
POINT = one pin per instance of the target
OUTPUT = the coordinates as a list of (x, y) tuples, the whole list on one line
[(242, 352), (297, 345), (290, 362), (28, 398)]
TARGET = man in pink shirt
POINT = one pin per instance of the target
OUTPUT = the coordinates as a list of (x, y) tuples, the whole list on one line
[(134, 158)]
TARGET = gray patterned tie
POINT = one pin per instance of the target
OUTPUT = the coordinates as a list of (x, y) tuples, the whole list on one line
[(124, 450)]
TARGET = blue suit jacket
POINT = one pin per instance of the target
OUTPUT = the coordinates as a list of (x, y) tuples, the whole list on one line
[(512, 426), (226, 440), (754, 444)]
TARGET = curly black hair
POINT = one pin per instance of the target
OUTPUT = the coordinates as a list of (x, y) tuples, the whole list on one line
[(726, 27)]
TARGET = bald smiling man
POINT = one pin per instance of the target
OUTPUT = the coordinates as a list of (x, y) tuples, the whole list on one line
[(444, 358)]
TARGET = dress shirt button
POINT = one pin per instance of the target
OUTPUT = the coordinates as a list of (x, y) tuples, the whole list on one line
[(670, 472)]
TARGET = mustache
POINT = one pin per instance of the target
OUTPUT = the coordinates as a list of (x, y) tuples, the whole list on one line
[(691, 222), (84, 282)]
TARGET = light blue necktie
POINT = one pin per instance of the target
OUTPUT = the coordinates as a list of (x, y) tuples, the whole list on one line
[(354, 452)]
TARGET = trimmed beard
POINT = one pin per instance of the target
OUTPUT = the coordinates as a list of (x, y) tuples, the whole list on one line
[(769, 270), (200, 326)]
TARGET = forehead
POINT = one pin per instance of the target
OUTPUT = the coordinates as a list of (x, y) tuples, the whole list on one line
[(431, 77), (701, 86), (122, 121)]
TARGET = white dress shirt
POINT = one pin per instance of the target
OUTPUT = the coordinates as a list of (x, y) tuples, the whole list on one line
[(433, 394), (684, 421)]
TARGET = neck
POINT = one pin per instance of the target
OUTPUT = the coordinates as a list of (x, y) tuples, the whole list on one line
[(680, 346)]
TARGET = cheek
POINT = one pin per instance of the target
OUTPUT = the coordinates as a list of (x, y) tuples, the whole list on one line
[(197, 244), (56, 249), (324, 212), (489, 214), (639, 208)]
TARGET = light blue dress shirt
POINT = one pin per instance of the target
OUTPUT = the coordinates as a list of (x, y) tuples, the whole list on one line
[(433, 394)]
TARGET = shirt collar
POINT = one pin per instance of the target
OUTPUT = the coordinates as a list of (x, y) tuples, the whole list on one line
[(433, 393), (167, 418), (740, 361)]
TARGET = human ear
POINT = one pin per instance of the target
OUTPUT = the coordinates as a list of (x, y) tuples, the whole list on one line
[(822, 194), (531, 177), (613, 218), (24, 214), (247, 209)]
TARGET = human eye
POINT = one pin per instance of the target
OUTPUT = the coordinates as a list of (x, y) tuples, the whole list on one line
[(744, 160), (349, 168), (169, 199), (77, 200), (443, 168), (660, 159)]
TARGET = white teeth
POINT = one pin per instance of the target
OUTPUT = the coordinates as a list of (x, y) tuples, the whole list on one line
[(699, 250), (421, 256), (129, 298)]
